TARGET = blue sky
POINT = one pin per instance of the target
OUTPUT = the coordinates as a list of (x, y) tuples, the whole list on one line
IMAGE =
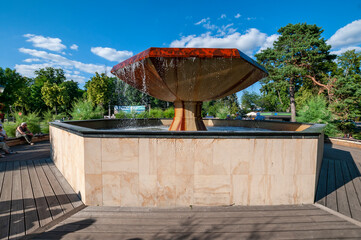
[(87, 36)]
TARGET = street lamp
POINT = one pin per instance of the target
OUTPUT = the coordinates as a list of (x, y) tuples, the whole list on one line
[(2, 115)]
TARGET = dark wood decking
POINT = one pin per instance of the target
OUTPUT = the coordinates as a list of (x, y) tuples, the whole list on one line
[(34, 196), (339, 185), (267, 222), (33, 193)]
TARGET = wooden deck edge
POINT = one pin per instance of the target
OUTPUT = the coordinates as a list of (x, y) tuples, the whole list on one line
[(344, 142), (54, 222), (337, 214)]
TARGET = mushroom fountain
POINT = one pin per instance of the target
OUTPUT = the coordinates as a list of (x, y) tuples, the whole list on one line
[(189, 76)]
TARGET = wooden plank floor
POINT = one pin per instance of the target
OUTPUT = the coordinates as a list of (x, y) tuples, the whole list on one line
[(339, 186), (32, 193), (266, 222)]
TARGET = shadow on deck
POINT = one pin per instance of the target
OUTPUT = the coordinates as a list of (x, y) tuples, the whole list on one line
[(339, 186)]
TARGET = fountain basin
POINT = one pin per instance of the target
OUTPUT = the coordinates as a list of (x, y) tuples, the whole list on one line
[(170, 168)]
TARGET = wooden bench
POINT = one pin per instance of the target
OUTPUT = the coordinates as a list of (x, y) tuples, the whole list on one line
[(17, 141)]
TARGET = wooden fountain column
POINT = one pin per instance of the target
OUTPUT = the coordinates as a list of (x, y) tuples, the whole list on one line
[(187, 117)]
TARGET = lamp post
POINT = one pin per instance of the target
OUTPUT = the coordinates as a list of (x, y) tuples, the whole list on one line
[(2, 88)]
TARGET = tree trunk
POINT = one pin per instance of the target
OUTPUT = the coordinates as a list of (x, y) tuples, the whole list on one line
[(56, 111), (292, 101)]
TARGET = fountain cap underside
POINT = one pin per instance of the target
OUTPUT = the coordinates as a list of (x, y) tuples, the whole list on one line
[(189, 74)]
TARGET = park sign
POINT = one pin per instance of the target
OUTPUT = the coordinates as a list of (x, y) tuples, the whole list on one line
[(129, 109)]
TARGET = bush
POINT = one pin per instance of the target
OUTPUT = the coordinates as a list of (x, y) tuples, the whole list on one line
[(84, 110), (169, 113), (49, 116), (10, 128), (142, 115), (156, 113), (315, 111), (222, 112), (32, 119)]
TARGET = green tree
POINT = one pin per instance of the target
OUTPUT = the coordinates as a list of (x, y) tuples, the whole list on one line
[(49, 74), (15, 93), (125, 94), (346, 91), (99, 89), (54, 95), (84, 110), (73, 93), (299, 55), (250, 100), (315, 111)]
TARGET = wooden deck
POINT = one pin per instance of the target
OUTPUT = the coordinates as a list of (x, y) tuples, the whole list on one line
[(267, 222), (339, 185), (36, 202), (33, 193)]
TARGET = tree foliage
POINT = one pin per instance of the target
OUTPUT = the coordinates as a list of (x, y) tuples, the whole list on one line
[(16, 88), (299, 57), (316, 111), (346, 91), (54, 95), (99, 89)]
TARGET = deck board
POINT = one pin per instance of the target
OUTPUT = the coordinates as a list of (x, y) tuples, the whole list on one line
[(30, 212), (343, 180), (40, 201), (73, 197), (56, 187), (342, 200), (52, 200), (17, 226), (296, 222), (32, 196), (33, 193), (331, 199), (5, 201)]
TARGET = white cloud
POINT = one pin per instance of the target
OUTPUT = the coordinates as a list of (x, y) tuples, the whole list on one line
[(202, 21), (75, 77), (28, 70), (347, 36), (269, 42), (237, 15), (111, 54), (71, 67), (251, 18), (249, 42), (74, 47), (223, 16), (29, 60), (342, 50), (53, 44), (226, 29)]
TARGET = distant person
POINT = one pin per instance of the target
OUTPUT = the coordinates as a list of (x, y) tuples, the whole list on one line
[(238, 116), (23, 131), (3, 138)]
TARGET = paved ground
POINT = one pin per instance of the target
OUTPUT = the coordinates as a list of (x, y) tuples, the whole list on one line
[(34, 197)]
